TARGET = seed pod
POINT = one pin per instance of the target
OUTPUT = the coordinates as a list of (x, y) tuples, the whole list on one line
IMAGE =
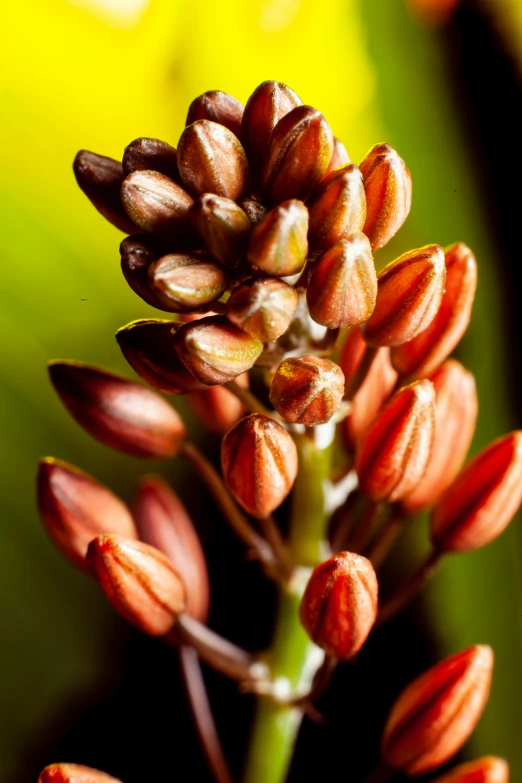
[(409, 294), (422, 355), (339, 605), (100, 179), (254, 210), (155, 203), (137, 254), (299, 153), (337, 208), (120, 413), (340, 157), (217, 408), (263, 307), (212, 160), (73, 773), (74, 508), (184, 282), (387, 183), (369, 400), (434, 716), (223, 227), (146, 154), (215, 350), (342, 288), (488, 769), (219, 107), (164, 523), (456, 408), (393, 454), (307, 390), (139, 581), (278, 244), (259, 463), (482, 500)]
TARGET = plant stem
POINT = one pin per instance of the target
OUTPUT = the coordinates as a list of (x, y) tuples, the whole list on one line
[(249, 400), (369, 515), (408, 591), (386, 538)]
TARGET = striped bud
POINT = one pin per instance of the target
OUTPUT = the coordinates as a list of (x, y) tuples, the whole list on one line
[(218, 408), (223, 227), (100, 179), (146, 154), (259, 462), (337, 207), (73, 773), (409, 294), (340, 157), (278, 244), (137, 254), (342, 288), (139, 581), (339, 605), (488, 769), (307, 390), (75, 508), (185, 282), (120, 413), (393, 454), (217, 106), (254, 209), (387, 183), (155, 203), (482, 500), (373, 393), (434, 716), (263, 307), (422, 355)]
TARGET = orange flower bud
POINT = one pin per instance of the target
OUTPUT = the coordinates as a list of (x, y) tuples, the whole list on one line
[(387, 183), (117, 411), (278, 244), (259, 462), (100, 179), (340, 157), (139, 581), (339, 605), (146, 154), (393, 454), (410, 291), (488, 769), (218, 408), (263, 307), (352, 353), (219, 107), (74, 508), (342, 288), (337, 207), (73, 773), (434, 716), (137, 254), (482, 500), (184, 282), (223, 227), (307, 390), (369, 400), (456, 408), (155, 203), (422, 355)]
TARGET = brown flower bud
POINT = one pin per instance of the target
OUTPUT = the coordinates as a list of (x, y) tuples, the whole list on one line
[(409, 294), (120, 413), (488, 769), (278, 244), (137, 254), (155, 203), (456, 408), (139, 581), (215, 350), (212, 160), (373, 393), (342, 288), (340, 157), (263, 307), (299, 153), (337, 208), (387, 183), (146, 154), (482, 500), (184, 282), (218, 408), (223, 227), (74, 508), (73, 773), (307, 390), (437, 712), (100, 179), (254, 209), (164, 523), (259, 462), (219, 107), (339, 605), (393, 454), (422, 355)]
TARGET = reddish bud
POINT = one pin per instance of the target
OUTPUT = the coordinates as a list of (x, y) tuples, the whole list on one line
[(223, 227), (488, 769), (100, 179), (263, 307), (151, 155), (219, 107), (337, 208), (278, 244), (218, 408), (137, 254), (373, 393), (340, 157), (155, 203), (352, 353), (307, 390), (184, 282), (254, 209), (73, 773)]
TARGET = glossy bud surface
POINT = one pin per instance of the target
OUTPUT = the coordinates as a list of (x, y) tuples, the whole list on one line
[(307, 390), (278, 244)]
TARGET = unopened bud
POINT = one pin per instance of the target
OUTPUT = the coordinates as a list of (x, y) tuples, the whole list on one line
[(218, 408), (489, 769), (259, 462), (217, 106), (278, 244), (155, 203), (100, 179), (263, 307), (307, 390), (223, 227), (340, 157), (137, 254), (73, 773), (185, 282), (337, 207), (146, 154), (253, 209), (434, 716)]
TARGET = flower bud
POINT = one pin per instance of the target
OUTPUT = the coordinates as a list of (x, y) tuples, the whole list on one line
[(120, 413), (307, 390), (488, 769), (434, 716), (340, 157), (100, 179), (342, 288), (185, 282), (299, 153), (422, 355), (164, 523), (223, 227), (369, 400), (73, 773), (155, 203), (387, 183), (253, 209), (151, 155), (456, 408), (215, 350), (74, 508), (339, 605), (137, 254), (263, 307), (139, 581), (212, 160), (393, 454), (259, 462), (409, 294), (337, 207), (219, 107), (482, 500), (278, 244), (218, 408)]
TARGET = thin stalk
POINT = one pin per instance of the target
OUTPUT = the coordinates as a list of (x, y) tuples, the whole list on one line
[(360, 374), (410, 589), (249, 400), (386, 538), (273, 535), (370, 513)]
